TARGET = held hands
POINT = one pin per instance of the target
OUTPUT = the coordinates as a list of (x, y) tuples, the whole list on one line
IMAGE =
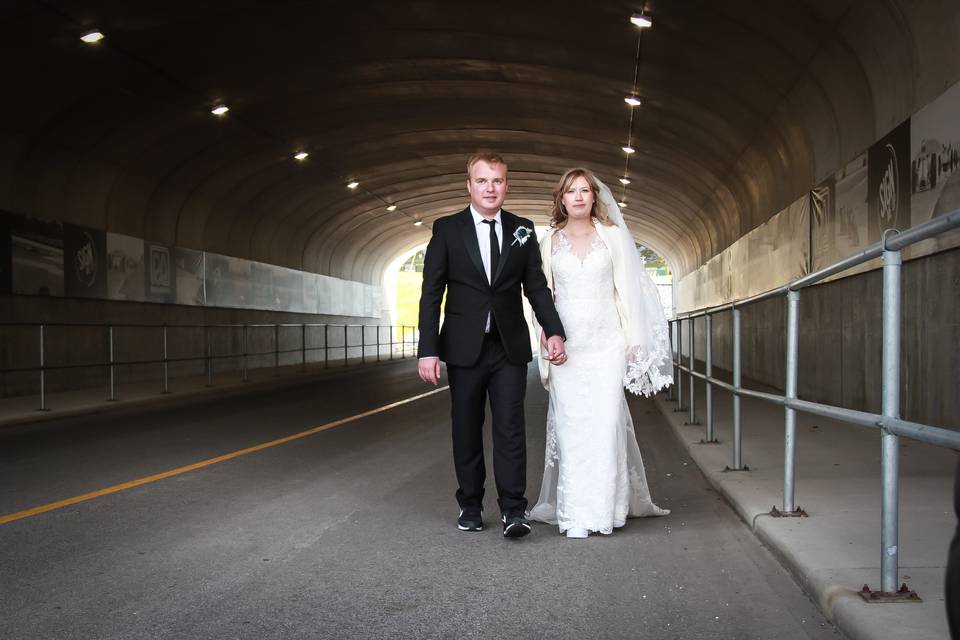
[(429, 370), (555, 352)]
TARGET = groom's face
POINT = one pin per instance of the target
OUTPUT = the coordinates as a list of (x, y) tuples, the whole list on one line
[(487, 185)]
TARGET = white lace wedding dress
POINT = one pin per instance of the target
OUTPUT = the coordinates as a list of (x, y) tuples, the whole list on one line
[(593, 474)]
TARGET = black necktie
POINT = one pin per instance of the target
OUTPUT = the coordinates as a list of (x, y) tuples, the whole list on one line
[(494, 248)]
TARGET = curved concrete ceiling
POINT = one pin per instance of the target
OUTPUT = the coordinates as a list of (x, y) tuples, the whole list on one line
[(747, 105)]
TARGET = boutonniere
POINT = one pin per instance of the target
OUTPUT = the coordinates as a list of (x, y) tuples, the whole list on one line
[(521, 235)]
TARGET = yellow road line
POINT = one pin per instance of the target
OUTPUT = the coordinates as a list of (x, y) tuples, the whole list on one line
[(26, 513)]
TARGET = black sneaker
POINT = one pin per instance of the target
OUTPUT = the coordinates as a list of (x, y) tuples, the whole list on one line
[(470, 520), (515, 525)]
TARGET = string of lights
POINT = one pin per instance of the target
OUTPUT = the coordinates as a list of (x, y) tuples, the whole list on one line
[(643, 22)]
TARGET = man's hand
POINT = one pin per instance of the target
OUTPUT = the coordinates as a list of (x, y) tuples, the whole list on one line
[(556, 353), (429, 369)]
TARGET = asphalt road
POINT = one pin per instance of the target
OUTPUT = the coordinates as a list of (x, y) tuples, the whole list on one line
[(351, 532)]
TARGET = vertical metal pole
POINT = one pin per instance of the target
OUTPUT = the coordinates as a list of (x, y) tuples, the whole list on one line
[(708, 320), (246, 353), (403, 341), (166, 371), (363, 343), (890, 443), (345, 350), (113, 392), (303, 345), (790, 415), (737, 451), (679, 377), (693, 399), (43, 371), (673, 362), (326, 346), (276, 346), (206, 333), (391, 342), (378, 343)]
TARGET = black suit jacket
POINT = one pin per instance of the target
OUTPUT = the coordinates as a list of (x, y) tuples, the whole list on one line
[(453, 262)]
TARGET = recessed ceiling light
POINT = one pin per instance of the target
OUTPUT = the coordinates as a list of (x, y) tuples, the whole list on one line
[(92, 38), (628, 149), (622, 204), (219, 110), (624, 180), (353, 185), (641, 20), (632, 100), (302, 155), (418, 223), (392, 207)]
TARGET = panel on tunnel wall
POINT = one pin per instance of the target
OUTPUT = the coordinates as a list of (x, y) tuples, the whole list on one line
[(160, 282), (189, 275), (935, 168), (227, 281), (839, 217), (126, 268), (888, 183), (36, 256), (85, 262)]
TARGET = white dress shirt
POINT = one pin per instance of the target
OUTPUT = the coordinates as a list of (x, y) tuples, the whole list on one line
[(483, 239)]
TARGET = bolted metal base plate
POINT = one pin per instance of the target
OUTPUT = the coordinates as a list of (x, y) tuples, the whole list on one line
[(691, 424), (744, 468), (796, 513), (714, 441), (903, 594)]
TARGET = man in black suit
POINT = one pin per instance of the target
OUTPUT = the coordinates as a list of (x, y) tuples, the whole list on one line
[(481, 257)]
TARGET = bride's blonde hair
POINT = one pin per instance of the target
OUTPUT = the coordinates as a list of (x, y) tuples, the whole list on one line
[(558, 217)]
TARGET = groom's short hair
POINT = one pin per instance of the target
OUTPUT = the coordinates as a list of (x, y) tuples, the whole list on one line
[(489, 157)]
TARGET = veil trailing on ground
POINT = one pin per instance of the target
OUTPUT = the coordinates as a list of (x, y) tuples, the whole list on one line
[(649, 362)]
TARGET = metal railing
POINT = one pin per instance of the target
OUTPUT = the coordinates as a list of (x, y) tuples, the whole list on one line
[(387, 342), (889, 422)]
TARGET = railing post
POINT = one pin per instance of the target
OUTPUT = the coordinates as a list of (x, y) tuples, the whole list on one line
[(206, 333), (326, 346), (679, 377), (276, 347), (166, 371), (890, 443), (693, 399), (246, 353), (391, 342), (403, 341), (790, 414), (708, 321), (363, 344), (303, 345), (737, 434), (378, 343), (43, 371), (113, 391), (673, 363)]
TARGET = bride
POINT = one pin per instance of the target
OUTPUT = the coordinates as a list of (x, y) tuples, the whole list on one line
[(593, 476)]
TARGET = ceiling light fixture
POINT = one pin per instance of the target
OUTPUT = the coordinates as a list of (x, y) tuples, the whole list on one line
[(622, 204), (632, 100), (628, 149), (302, 155), (219, 110), (624, 180), (418, 223), (92, 38), (641, 20), (392, 207), (353, 185)]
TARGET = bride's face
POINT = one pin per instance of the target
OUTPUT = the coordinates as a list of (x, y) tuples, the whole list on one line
[(578, 200)]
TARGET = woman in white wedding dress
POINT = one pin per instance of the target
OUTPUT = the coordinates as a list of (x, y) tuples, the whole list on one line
[(617, 337)]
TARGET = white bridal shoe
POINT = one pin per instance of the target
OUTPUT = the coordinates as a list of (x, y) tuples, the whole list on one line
[(577, 533)]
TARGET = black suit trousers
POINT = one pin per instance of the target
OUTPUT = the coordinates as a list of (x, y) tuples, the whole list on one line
[(505, 383)]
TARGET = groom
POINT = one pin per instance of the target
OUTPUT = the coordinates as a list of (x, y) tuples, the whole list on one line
[(481, 257)]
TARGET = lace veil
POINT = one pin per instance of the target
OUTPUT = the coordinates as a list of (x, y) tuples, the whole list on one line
[(649, 366)]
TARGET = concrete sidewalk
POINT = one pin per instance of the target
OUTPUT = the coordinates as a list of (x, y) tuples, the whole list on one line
[(836, 550)]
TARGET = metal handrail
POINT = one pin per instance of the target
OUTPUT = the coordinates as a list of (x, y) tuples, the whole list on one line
[(407, 336), (889, 421)]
